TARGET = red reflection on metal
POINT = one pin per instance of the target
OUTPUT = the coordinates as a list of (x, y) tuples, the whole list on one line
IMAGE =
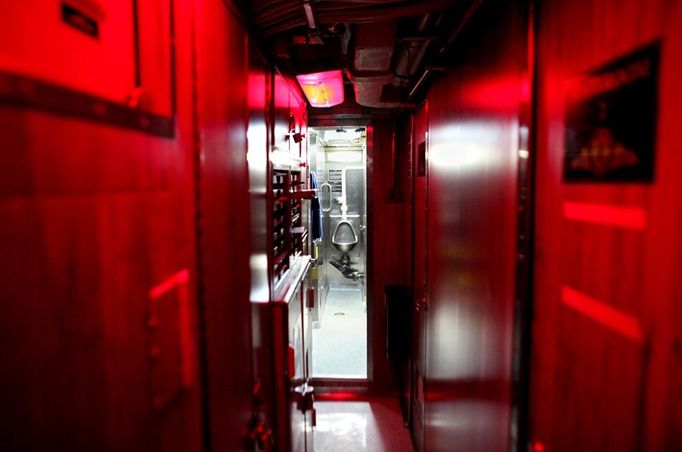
[(169, 284), (495, 94), (617, 321), (323, 89), (256, 90), (624, 217), (340, 396), (537, 446)]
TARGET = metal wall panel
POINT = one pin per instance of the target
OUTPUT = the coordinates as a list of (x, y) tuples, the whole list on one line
[(471, 221)]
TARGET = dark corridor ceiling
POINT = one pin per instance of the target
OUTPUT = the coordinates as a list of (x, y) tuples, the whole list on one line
[(387, 49)]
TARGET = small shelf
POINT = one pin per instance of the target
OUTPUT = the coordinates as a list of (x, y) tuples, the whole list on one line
[(289, 234)]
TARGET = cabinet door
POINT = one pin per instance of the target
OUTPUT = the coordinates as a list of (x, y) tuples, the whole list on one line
[(301, 401), (308, 297)]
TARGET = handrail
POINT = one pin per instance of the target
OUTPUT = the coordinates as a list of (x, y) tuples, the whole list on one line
[(322, 185)]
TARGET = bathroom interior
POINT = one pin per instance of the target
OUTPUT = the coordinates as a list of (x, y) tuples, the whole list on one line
[(337, 158)]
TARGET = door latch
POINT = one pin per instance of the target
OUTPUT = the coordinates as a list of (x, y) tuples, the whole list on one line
[(304, 396)]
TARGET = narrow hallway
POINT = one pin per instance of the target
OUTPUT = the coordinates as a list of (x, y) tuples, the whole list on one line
[(279, 226)]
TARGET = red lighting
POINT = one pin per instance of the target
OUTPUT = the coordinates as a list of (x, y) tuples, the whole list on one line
[(624, 217), (341, 397), (323, 89), (178, 281), (617, 321), (169, 283)]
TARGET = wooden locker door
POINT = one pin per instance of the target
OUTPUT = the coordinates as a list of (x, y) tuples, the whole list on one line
[(223, 222), (606, 367)]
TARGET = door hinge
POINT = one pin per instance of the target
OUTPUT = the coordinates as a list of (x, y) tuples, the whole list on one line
[(258, 436)]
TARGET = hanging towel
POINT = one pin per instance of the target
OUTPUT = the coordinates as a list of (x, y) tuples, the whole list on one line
[(315, 211)]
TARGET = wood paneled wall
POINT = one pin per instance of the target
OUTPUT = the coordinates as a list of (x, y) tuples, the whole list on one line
[(389, 229), (97, 242), (99, 274), (595, 384), (224, 220)]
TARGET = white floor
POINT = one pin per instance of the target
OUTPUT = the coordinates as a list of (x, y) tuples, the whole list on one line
[(369, 426), (340, 343)]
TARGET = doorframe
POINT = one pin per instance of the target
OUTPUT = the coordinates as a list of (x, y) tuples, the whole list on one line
[(520, 419), (329, 385)]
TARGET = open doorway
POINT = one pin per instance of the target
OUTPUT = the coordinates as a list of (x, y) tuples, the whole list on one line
[(337, 157)]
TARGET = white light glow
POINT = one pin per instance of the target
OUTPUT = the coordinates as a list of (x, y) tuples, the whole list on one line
[(346, 135), (457, 157), (344, 157)]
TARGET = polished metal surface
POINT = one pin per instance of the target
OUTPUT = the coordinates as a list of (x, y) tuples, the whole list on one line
[(344, 237), (326, 195), (257, 158)]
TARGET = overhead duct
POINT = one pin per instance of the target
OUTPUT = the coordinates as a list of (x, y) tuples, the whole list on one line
[(369, 89), (413, 49), (371, 68), (374, 44)]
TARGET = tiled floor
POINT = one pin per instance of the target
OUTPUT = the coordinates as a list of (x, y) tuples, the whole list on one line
[(373, 426), (340, 344)]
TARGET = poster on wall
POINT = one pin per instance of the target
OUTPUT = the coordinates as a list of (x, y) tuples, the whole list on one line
[(610, 133)]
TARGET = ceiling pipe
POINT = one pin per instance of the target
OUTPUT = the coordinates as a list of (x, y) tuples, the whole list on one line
[(309, 15), (419, 83), (423, 47), (446, 46), (465, 20), (347, 12), (411, 47), (422, 80), (344, 40)]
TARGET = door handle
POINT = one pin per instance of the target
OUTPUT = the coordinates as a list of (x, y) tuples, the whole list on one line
[(304, 397), (329, 186)]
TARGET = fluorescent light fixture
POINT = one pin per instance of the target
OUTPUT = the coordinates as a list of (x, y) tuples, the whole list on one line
[(344, 157), (346, 136), (309, 16), (323, 89)]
